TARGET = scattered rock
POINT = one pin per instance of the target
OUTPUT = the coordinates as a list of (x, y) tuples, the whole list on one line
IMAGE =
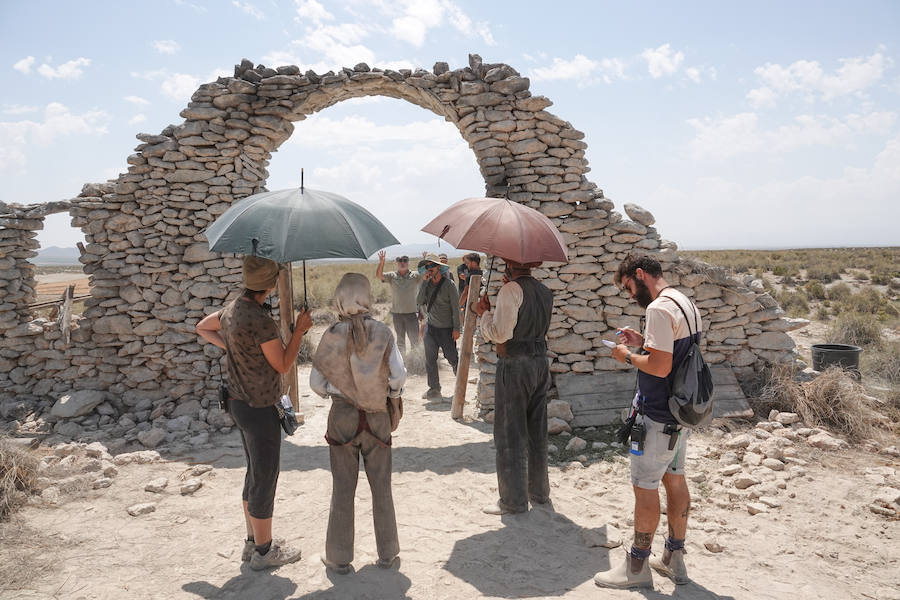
[(141, 509), (742, 482), (787, 418), (50, 495), (198, 470), (190, 486), (77, 404), (576, 444), (730, 470), (156, 486), (887, 495), (152, 437), (102, 482), (755, 508), (824, 441), (739, 441), (773, 463), (556, 426), (770, 501), (713, 546)]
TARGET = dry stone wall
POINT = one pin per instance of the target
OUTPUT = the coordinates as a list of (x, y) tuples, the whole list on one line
[(134, 353)]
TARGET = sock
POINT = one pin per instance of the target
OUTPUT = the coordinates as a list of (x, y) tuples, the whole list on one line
[(640, 553), (672, 544), (264, 549), (250, 538)]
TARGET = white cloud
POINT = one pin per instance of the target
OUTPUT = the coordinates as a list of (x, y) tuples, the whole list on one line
[(72, 69), (581, 68), (16, 137), (137, 100), (310, 10), (854, 207), (853, 76), (180, 86), (725, 137), (662, 61), (411, 20), (24, 65), (250, 9), (138, 118), (351, 131), (762, 97), (166, 46), (19, 109)]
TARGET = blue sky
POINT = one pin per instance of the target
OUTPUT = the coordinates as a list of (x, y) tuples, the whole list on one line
[(741, 125)]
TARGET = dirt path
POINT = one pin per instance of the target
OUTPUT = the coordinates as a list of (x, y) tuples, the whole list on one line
[(822, 543), (52, 285)]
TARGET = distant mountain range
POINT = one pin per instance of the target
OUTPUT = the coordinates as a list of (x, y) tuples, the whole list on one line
[(54, 255)]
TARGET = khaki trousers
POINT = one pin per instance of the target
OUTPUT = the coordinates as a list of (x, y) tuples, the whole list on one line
[(343, 420)]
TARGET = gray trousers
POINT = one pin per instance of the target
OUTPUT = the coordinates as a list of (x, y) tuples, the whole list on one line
[(520, 431), (343, 421), (406, 326)]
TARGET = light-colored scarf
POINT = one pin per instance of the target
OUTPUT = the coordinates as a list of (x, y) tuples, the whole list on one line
[(354, 353)]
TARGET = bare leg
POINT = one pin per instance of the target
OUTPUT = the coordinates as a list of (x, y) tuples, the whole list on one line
[(646, 516), (678, 505), (262, 530), (247, 521)]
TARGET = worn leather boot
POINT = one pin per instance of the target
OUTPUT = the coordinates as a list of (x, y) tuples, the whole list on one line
[(631, 573), (671, 564)]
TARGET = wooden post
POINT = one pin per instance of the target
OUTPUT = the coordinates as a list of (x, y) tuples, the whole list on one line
[(465, 355), (286, 312), (65, 314)]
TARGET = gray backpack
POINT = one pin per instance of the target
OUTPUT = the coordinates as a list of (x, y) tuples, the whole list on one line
[(691, 390)]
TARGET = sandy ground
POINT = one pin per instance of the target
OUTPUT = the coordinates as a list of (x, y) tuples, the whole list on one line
[(822, 543), (50, 286)]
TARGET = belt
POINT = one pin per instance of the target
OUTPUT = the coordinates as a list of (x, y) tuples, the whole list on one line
[(514, 348)]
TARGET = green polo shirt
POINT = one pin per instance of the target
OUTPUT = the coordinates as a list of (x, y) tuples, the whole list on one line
[(403, 290)]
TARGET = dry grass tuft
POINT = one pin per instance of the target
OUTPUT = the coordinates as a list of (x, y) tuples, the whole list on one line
[(18, 476), (833, 401), (22, 546)]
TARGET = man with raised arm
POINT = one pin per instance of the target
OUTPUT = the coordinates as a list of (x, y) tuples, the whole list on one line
[(404, 285)]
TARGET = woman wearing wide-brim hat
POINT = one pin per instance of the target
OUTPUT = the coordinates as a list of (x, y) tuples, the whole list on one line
[(256, 359)]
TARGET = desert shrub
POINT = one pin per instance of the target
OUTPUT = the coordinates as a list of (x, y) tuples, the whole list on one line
[(839, 292), (18, 476), (883, 363), (836, 401), (796, 304), (307, 350), (861, 275), (825, 273), (867, 300), (833, 400), (780, 270), (774, 388), (815, 290), (894, 283), (822, 313), (415, 360), (854, 328)]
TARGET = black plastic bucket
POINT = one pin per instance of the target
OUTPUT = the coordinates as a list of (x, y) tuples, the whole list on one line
[(840, 355)]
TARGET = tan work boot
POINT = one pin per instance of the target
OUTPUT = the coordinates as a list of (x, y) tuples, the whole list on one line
[(671, 564), (624, 575)]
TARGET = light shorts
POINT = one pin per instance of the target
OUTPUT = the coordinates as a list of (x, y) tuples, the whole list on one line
[(648, 469)]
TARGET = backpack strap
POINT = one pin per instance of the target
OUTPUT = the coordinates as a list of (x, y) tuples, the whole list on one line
[(434, 294), (686, 318)]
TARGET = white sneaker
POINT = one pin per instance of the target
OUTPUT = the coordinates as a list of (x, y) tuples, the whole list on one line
[(277, 556), (671, 564), (622, 577), (247, 552)]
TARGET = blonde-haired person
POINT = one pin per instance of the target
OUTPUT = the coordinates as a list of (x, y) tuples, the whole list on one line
[(256, 358), (358, 365)]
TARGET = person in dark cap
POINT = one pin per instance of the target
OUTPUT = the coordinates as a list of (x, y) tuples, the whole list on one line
[(518, 326), (256, 358)]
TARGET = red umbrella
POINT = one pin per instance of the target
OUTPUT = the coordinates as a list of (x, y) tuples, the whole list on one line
[(502, 228)]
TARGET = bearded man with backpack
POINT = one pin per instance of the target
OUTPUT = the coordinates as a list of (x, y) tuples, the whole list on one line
[(438, 301), (658, 439)]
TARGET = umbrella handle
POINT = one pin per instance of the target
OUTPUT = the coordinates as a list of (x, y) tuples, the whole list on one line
[(305, 304)]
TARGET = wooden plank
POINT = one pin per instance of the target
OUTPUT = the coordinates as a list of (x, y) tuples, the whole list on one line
[(286, 314), (601, 398), (465, 356)]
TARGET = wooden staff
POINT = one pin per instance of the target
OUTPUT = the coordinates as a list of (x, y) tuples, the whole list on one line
[(465, 356), (286, 312)]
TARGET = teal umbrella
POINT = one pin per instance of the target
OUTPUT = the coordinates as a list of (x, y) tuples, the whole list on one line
[(298, 224)]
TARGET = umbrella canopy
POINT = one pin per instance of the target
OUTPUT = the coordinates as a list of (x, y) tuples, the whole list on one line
[(298, 224), (502, 228)]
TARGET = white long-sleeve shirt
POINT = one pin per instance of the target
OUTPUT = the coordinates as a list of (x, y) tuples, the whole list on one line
[(497, 325), (397, 377)]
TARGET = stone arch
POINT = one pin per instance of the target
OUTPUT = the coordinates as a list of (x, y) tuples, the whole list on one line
[(153, 277)]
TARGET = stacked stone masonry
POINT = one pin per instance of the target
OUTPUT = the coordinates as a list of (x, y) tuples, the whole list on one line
[(153, 277)]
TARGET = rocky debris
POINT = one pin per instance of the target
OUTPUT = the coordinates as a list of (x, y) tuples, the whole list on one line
[(825, 441), (713, 546), (755, 508), (742, 440), (102, 482), (730, 470), (142, 508), (153, 277), (198, 470), (556, 426), (140, 457), (786, 418), (77, 404), (743, 481), (157, 486), (190, 486), (606, 536), (576, 444)]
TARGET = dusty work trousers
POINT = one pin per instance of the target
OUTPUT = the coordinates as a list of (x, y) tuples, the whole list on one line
[(520, 431), (343, 421), (406, 326), (439, 337)]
